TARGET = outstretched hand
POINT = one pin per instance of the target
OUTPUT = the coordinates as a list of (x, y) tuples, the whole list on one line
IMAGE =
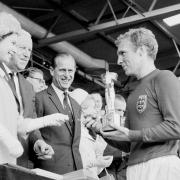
[(56, 119)]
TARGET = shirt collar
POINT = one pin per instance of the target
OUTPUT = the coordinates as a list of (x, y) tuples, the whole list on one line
[(6, 68), (57, 89)]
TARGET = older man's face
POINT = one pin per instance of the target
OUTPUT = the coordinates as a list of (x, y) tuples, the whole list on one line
[(24, 49), (63, 73), (8, 48)]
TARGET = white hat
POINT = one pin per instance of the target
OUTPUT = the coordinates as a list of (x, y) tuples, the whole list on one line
[(79, 95), (8, 24)]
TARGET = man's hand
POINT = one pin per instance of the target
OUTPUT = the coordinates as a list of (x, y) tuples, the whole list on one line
[(43, 150), (56, 119), (118, 134), (92, 123), (27, 125)]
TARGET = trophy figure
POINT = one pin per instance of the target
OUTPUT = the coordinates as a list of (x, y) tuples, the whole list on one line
[(110, 115)]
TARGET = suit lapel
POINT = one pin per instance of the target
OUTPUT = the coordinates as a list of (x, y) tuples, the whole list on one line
[(55, 99)]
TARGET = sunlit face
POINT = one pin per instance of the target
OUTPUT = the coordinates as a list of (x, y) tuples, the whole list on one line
[(120, 107), (128, 58), (8, 48), (24, 49), (63, 73)]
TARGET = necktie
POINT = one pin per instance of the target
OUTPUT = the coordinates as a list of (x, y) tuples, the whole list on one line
[(68, 111), (11, 82), (13, 88)]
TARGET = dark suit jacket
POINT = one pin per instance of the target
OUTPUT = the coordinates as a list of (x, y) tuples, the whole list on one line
[(64, 143), (28, 100)]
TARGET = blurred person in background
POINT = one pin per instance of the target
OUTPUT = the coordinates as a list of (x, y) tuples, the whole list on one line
[(36, 78), (91, 147), (119, 164)]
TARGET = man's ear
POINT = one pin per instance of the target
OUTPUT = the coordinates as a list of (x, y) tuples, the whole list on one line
[(51, 71), (142, 51)]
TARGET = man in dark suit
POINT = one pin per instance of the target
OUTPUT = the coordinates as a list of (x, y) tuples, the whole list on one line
[(57, 148), (23, 91)]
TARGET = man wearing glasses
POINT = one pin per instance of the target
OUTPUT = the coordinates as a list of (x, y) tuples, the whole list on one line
[(36, 78)]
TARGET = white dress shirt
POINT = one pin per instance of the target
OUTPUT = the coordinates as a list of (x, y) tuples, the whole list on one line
[(60, 95)]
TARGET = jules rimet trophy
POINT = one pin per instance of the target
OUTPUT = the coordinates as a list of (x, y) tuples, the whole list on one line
[(110, 114)]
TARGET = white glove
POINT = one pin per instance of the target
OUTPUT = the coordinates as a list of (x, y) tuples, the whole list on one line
[(15, 148), (27, 125), (56, 119), (12, 144), (104, 161)]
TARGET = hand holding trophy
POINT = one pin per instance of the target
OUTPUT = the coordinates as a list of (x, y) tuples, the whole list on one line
[(111, 116)]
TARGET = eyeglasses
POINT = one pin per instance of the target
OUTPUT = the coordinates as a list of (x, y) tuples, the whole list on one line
[(120, 110), (40, 80)]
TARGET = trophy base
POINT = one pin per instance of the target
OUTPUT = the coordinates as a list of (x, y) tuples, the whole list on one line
[(111, 118), (108, 128)]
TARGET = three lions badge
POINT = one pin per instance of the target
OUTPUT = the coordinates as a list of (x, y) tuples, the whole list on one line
[(141, 103)]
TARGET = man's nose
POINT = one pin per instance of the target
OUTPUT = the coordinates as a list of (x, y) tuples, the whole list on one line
[(14, 50), (66, 73), (120, 60), (26, 53)]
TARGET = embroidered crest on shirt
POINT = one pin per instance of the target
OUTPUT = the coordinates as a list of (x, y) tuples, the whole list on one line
[(141, 103)]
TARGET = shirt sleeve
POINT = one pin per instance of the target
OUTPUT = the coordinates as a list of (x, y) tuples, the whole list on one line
[(167, 89)]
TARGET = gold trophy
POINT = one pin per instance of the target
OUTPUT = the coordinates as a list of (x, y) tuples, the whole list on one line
[(111, 115)]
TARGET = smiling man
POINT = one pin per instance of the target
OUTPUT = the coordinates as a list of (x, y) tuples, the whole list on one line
[(153, 118), (24, 46), (57, 148), (23, 90)]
